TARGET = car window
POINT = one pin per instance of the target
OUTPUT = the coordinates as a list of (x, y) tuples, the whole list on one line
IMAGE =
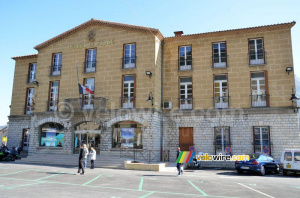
[(297, 156), (288, 156), (253, 156), (270, 159), (263, 158)]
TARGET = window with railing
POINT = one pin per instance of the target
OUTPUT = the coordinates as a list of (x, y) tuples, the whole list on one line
[(90, 61), (221, 98), (29, 107), (32, 72), (219, 55), (185, 58), (88, 98), (55, 68), (186, 93), (129, 56), (259, 96), (256, 52), (53, 96), (128, 99)]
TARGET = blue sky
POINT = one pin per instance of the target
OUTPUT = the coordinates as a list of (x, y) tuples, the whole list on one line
[(24, 24)]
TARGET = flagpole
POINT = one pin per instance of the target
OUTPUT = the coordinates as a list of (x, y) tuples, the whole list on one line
[(78, 84)]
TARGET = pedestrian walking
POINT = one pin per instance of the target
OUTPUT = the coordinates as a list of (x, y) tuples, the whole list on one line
[(93, 157), (81, 160), (180, 172), (85, 152)]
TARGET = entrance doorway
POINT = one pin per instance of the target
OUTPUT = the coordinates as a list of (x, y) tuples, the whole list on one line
[(90, 138), (186, 138), (25, 140)]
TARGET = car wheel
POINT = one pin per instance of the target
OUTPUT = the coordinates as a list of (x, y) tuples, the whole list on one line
[(277, 169), (239, 172), (284, 173), (262, 171)]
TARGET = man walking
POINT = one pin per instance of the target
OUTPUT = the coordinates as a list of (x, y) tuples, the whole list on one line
[(178, 164), (81, 160)]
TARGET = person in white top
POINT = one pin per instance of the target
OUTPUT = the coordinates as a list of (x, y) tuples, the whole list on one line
[(93, 157)]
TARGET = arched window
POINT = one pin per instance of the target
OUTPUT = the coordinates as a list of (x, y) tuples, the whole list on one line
[(52, 135), (127, 134)]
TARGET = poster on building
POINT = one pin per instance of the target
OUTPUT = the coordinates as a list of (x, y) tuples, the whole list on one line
[(127, 137)]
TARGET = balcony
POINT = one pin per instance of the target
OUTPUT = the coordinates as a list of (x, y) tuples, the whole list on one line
[(260, 100), (219, 61), (221, 102), (186, 103), (127, 102), (128, 62), (185, 64), (30, 78), (78, 104), (258, 58), (55, 70), (29, 108), (89, 66), (52, 105)]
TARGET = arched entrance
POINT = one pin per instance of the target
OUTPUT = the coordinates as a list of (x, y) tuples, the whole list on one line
[(88, 133)]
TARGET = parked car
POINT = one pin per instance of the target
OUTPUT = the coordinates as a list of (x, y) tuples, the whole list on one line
[(290, 161), (258, 163)]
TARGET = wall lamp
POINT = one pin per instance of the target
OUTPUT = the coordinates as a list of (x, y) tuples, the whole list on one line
[(149, 73), (36, 83), (288, 70), (150, 98)]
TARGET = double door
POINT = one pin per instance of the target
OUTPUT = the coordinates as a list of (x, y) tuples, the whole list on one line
[(91, 139)]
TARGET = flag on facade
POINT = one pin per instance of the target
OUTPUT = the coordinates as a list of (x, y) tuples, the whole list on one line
[(84, 90)]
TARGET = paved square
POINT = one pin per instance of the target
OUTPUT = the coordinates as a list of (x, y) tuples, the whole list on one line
[(19, 180)]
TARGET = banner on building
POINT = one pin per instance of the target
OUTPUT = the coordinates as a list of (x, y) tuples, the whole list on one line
[(127, 137)]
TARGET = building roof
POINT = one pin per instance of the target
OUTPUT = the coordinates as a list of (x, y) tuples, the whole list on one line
[(91, 22), (233, 31), (25, 57)]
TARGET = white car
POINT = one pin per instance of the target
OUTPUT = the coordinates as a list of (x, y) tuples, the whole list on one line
[(290, 161)]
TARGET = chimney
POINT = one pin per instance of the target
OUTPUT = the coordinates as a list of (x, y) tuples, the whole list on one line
[(178, 33)]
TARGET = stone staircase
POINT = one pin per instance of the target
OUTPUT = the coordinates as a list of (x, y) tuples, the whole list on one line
[(102, 161)]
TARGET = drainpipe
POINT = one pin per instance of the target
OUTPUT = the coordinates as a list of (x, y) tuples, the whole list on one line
[(162, 104)]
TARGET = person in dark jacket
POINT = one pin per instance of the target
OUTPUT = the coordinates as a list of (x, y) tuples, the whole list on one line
[(178, 164), (81, 160)]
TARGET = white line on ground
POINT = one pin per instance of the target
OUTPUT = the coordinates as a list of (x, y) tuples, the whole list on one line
[(256, 190)]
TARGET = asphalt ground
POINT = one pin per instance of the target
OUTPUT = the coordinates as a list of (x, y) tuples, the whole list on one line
[(20, 180)]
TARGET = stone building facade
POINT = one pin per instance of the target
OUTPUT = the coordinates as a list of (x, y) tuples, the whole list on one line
[(219, 91)]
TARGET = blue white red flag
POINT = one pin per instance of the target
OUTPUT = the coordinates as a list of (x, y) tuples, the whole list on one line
[(84, 90)]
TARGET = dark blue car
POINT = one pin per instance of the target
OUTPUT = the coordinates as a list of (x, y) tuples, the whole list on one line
[(258, 163)]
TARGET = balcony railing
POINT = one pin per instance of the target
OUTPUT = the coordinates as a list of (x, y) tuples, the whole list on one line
[(260, 100), (221, 102), (30, 78), (127, 102), (29, 108), (89, 66), (55, 70), (128, 62), (77, 104), (185, 64), (52, 105), (258, 58), (186, 103), (219, 61)]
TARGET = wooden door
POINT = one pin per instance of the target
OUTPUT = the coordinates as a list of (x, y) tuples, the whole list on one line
[(186, 138)]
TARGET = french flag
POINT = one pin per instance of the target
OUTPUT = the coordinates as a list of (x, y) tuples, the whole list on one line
[(84, 90)]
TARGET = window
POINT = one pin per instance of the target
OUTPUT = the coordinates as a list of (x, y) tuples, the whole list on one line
[(88, 99), (90, 64), (259, 98), (52, 135), (261, 138), (32, 72), (222, 139), (297, 156), (127, 135), (185, 58), (219, 55), (56, 64), (221, 91), (288, 156), (29, 101), (256, 52), (53, 96), (129, 56), (186, 93), (128, 92)]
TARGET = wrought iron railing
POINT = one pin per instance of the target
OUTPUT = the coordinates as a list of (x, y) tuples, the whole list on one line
[(257, 58), (219, 61), (185, 64), (260, 100), (186, 103), (52, 105), (127, 102), (77, 104), (145, 155), (128, 62), (89, 66), (56, 72), (221, 102)]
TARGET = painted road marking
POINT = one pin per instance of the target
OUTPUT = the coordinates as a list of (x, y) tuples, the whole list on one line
[(203, 193), (141, 184), (147, 195), (91, 180), (256, 190), (48, 176), (12, 187), (16, 172)]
